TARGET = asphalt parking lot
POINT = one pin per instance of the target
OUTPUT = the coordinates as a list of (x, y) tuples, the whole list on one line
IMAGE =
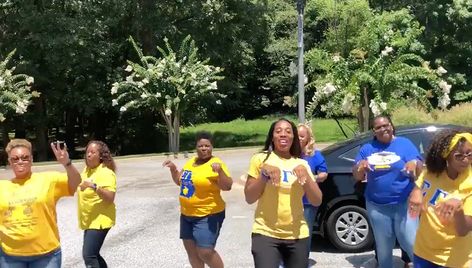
[(147, 229)]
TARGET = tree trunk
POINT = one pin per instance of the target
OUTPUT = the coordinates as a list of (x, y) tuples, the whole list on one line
[(364, 113), (177, 132)]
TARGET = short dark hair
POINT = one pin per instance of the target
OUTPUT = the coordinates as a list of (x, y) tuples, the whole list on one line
[(295, 149), (203, 135)]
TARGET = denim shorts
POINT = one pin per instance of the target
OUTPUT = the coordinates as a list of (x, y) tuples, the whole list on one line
[(203, 230)]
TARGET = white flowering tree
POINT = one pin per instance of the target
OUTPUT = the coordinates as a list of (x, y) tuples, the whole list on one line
[(383, 69), (169, 86), (15, 89)]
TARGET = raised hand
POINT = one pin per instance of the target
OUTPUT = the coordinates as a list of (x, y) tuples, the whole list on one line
[(302, 174), (86, 184), (410, 169), (62, 156), (169, 164), (445, 210), (272, 172), (216, 167)]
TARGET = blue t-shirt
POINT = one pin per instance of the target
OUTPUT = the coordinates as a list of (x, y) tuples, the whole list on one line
[(317, 164), (386, 182)]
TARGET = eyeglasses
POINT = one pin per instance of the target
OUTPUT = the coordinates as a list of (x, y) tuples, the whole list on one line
[(16, 159), (461, 156), (378, 128)]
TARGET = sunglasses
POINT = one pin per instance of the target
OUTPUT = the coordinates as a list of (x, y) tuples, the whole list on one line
[(461, 156), (23, 158)]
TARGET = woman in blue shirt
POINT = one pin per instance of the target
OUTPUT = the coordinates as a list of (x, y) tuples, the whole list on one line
[(318, 167), (389, 164)]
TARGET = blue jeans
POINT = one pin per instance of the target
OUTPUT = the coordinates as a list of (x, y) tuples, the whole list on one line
[(52, 259), (93, 241), (390, 222), (310, 214)]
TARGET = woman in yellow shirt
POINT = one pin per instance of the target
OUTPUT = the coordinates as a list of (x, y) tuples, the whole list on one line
[(202, 208), (28, 222), (443, 191), (277, 179), (97, 210)]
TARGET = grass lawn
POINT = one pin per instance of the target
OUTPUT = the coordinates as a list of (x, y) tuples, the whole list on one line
[(240, 132)]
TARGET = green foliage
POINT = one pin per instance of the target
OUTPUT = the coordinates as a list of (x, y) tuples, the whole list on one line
[(458, 114), (242, 132), (15, 89), (170, 84), (383, 67)]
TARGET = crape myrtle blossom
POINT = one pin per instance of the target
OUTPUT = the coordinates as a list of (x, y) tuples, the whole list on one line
[(444, 101), (387, 50), (377, 108), (440, 71), (348, 103), (445, 87)]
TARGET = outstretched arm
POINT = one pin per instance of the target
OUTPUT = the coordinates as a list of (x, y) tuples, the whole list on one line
[(173, 171)]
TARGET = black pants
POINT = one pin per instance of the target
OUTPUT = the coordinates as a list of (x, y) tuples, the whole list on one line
[(93, 241), (268, 251)]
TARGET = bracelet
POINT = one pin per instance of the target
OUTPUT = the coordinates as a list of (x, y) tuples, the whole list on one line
[(68, 163), (264, 175), (94, 187)]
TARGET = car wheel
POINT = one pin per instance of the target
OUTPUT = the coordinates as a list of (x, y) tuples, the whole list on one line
[(348, 229)]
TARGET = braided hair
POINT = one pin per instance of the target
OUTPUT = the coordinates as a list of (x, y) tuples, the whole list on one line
[(435, 161), (104, 153)]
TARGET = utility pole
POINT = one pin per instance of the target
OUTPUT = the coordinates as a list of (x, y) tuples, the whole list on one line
[(301, 75)]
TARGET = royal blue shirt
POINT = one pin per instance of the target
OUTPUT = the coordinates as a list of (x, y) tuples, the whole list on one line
[(386, 181), (317, 164)]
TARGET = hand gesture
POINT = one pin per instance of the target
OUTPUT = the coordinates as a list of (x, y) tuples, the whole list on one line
[(302, 174), (410, 169), (216, 167), (86, 184), (272, 172), (363, 166), (415, 203), (62, 156), (170, 165), (445, 210)]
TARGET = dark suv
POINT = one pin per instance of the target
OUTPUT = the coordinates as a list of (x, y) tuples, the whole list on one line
[(342, 216)]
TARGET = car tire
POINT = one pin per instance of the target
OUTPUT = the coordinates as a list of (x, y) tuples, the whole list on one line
[(349, 230)]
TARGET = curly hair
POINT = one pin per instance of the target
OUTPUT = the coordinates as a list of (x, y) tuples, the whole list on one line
[(295, 149), (104, 154), (310, 146), (18, 143), (435, 161)]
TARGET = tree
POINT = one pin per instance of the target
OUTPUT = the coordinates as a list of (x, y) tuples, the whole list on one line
[(15, 89), (170, 85), (384, 68)]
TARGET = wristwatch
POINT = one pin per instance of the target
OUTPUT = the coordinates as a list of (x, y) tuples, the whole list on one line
[(94, 186)]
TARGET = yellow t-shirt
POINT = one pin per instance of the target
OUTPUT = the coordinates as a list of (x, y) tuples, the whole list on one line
[(28, 213), (279, 211), (437, 242), (94, 213), (199, 192)]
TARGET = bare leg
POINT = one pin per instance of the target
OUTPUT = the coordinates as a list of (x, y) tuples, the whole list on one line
[(210, 257), (192, 254)]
